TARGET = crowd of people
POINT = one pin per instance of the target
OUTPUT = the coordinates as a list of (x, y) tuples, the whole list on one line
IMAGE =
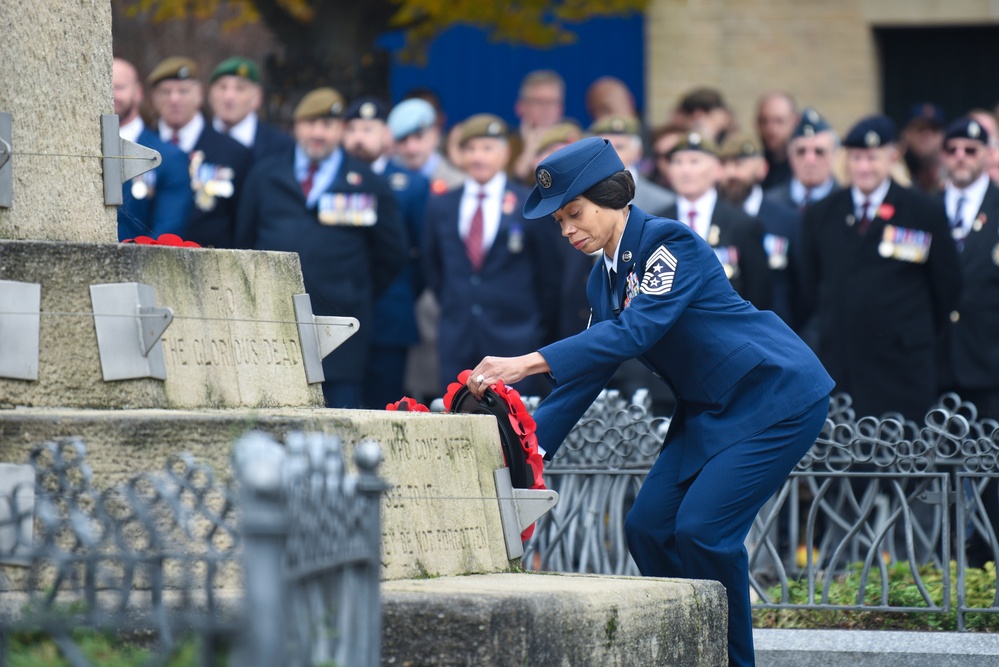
[(880, 248)]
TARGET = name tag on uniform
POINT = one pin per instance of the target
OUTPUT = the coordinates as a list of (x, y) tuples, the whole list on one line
[(729, 258), (350, 209), (904, 244)]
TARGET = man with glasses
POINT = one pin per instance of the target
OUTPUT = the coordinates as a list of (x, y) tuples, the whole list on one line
[(881, 271), (811, 154)]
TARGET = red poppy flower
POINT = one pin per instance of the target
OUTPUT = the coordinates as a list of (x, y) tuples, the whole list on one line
[(407, 404), (886, 211), (163, 239)]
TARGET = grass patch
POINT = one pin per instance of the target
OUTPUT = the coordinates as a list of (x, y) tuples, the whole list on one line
[(980, 591)]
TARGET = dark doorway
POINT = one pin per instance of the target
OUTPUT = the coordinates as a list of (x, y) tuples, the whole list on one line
[(954, 67)]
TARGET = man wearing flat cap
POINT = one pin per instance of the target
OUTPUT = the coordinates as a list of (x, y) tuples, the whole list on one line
[(217, 163), (496, 275), (417, 138), (341, 219), (235, 96), (880, 270), (812, 154), (744, 169), (625, 135), (394, 330), (694, 170)]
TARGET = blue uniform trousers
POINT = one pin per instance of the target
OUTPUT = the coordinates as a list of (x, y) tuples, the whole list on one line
[(696, 529)]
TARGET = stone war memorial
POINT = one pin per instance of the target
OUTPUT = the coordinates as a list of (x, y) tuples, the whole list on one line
[(146, 352)]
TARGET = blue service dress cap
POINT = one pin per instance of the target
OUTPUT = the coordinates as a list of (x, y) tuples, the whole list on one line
[(966, 127), (872, 132), (568, 173), (810, 124), (366, 108), (409, 116)]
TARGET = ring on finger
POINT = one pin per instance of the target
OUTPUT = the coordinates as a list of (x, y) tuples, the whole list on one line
[(480, 378)]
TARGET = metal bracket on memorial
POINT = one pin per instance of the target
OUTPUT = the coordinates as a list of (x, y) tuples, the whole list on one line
[(20, 324), (129, 326), (319, 336), (519, 508), (123, 160), (6, 167)]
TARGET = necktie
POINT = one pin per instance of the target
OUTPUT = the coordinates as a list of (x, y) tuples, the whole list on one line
[(175, 139), (957, 222), (865, 218), (473, 242), (612, 275), (692, 219), (309, 176), (806, 199)]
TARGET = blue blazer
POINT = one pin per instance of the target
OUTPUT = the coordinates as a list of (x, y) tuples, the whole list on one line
[(508, 307), (395, 315), (344, 267), (212, 221), (734, 370), (167, 201)]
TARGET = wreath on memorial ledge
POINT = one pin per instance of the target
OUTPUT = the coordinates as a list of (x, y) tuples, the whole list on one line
[(407, 404), (163, 239), (516, 426)]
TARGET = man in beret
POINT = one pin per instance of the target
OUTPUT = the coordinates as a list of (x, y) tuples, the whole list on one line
[(744, 169), (496, 274), (367, 138), (342, 220), (417, 138), (158, 201), (971, 357), (812, 154), (235, 96), (217, 163), (625, 135), (880, 270), (695, 170), (921, 140), (776, 118)]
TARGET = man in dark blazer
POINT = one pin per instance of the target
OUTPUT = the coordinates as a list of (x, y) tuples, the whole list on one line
[(737, 239), (496, 275), (368, 139), (217, 163), (342, 221), (158, 201), (970, 365), (881, 271), (235, 96), (744, 168), (812, 154)]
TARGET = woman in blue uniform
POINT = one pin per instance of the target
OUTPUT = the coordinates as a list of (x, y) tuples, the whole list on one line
[(751, 397)]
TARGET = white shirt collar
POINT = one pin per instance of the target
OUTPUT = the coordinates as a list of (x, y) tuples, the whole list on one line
[(753, 201), (874, 199), (378, 166), (131, 130), (705, 208), (245, 131), (493, 188), (798, 191), (973, 196), (189, 134)]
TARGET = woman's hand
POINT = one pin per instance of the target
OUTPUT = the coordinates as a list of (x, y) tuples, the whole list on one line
[(508, 369)]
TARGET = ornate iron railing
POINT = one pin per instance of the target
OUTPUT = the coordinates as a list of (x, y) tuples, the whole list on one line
[(278, 565), (869, 494)]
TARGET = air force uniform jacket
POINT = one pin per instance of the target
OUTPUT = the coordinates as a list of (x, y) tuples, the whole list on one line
[(733, 369)]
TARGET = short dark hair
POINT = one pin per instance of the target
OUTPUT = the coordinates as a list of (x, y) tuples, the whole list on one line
[(615, 191)]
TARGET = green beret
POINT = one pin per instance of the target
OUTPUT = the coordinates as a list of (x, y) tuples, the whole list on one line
[(695, 142), (483, 125), (175, 67), (237, 66), (740, 145), (320, 103), (565, 132), (616, 125)]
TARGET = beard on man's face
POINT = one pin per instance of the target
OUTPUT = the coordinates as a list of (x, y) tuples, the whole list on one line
[(734, 190)]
